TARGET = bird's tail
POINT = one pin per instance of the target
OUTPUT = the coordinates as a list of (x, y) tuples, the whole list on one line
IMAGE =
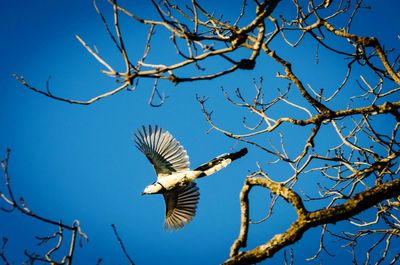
[(219, 162)]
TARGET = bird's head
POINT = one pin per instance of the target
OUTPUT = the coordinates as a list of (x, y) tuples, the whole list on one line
[(153, 188)]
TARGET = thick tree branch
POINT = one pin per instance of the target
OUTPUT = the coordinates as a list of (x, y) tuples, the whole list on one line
[(360, 202)]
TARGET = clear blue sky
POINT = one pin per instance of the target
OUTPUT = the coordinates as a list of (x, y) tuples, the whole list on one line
[(79, 162)]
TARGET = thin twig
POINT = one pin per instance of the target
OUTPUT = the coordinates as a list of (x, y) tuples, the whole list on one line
[(121, 244)]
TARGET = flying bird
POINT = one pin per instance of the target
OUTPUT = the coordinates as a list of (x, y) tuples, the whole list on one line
[(175, 180)]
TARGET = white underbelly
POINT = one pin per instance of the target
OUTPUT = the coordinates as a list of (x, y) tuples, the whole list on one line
[(177, 179)]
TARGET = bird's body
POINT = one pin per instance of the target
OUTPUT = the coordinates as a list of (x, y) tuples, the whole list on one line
[(174, 178)]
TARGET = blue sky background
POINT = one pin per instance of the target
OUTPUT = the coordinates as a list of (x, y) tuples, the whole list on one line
[(79, 162)]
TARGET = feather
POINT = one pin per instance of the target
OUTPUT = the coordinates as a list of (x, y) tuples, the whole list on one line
[(181, 205), (164, 152)]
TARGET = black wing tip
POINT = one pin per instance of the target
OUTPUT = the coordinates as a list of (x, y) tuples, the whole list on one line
[(149, 127), (145, 130)]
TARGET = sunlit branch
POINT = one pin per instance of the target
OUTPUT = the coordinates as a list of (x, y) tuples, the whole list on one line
[(72, 101), (349, 154), (306, 220)]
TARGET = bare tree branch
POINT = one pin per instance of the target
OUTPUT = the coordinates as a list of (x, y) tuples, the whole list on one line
[(122, 244), (75, 228), (307, 220)]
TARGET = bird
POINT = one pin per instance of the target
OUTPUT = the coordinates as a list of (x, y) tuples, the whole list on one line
[(175, 181)]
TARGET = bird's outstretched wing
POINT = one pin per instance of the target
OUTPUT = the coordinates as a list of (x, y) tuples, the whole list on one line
[(163, 151), (181, 205)]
